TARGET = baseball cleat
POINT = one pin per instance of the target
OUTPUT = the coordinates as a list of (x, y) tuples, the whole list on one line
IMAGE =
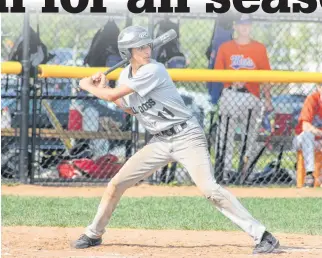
[(267, 245), (86, 242), (309, 181)]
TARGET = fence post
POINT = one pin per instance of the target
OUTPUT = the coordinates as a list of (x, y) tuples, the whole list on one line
[(151, 30), (34, 128), (24, 122)]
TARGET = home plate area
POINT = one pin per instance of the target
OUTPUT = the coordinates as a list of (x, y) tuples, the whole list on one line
[(132, 243)]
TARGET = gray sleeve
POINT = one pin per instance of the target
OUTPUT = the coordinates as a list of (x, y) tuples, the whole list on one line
[(145, 81)]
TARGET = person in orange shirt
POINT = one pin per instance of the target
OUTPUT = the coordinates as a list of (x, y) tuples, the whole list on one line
[(309, 132), (241, 101)]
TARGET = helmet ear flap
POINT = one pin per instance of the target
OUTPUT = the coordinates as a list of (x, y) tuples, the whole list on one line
[(125, 54)]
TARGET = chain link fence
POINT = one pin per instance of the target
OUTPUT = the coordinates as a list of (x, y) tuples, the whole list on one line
[(77, 138)]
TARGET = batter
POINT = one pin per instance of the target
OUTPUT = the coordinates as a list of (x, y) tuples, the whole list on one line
[(146, 91)]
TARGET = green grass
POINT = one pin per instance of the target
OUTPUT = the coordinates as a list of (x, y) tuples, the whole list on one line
[(302, 215)]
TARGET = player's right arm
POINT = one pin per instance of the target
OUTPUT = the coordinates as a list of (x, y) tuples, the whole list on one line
[(98, 86), (307, 115), (220, 59), (121, 105)]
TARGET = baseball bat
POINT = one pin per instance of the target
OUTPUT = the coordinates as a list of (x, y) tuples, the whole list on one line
[(256, 158), (243, 152), (280, 155), (119, 64), (158, 42), (223, 154), (260, 153), (212, 126), (218, 151), (279, 158)]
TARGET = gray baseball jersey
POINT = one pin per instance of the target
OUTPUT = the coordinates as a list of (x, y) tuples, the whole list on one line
[(156, 102)]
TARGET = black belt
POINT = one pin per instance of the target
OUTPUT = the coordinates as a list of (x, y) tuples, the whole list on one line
[(238, 89), (171, 131)]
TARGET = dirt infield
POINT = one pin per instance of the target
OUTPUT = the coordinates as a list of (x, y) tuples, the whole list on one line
[(151, 190), (55, 242)]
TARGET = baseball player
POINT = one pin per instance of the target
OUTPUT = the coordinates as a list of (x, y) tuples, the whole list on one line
[(240, 101), (309, 132), (146, 91)]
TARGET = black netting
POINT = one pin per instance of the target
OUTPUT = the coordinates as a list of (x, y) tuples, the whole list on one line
[(69, 125)]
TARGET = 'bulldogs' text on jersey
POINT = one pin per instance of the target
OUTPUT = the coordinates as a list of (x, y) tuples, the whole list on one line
[(144, 107)]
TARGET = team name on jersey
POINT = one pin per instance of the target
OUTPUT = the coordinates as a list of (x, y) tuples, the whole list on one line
[(239, 61), (143, 107)]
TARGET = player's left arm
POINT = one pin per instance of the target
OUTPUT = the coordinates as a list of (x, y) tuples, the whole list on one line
[(265, 65), (96, 85), (106, 93), (307, 116)]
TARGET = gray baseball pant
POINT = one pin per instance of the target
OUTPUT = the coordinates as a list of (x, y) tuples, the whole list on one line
[(235, 105), (307, 143), (188, 147)]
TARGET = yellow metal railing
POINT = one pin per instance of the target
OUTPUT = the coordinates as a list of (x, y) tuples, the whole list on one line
[(195, 75), (11, 68)]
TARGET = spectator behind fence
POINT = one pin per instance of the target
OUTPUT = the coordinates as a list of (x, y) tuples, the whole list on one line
[(240, 101), (309, 132)]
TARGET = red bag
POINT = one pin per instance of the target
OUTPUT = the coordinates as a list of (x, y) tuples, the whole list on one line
[(75, 121), (67, 170), (283, 124), (102, 168)]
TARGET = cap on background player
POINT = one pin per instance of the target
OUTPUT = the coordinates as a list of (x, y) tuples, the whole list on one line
[(244, 19)]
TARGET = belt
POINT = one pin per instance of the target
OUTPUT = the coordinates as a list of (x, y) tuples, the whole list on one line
[(173, 130), (238, 89)]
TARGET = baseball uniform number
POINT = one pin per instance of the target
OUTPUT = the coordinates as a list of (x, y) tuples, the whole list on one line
[(165, 112)]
